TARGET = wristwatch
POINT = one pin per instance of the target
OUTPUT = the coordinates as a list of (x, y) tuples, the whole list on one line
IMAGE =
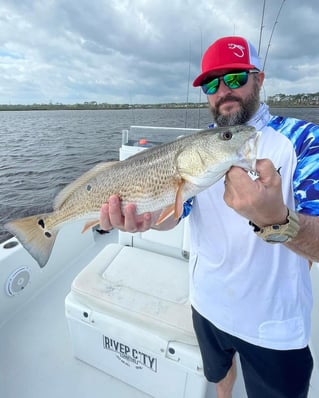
[(279, 233)]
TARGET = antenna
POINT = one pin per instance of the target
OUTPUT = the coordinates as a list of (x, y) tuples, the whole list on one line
[(272, 32)]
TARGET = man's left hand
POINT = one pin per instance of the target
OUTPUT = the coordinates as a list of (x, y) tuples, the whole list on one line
[(259, 200)]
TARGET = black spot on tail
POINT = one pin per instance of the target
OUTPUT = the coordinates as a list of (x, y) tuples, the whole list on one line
[(41, 223)]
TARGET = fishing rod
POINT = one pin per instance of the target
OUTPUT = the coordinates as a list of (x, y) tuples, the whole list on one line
[(200, 91), (188, 81), (272, 31), (261, 28)]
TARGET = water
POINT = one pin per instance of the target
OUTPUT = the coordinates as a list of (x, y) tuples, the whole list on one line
[(42, 151)]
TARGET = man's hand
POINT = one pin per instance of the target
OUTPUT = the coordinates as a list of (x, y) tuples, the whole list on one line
[(260, 200), (111, 216)]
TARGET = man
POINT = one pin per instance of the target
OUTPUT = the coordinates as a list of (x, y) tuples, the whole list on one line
[(251, 239)]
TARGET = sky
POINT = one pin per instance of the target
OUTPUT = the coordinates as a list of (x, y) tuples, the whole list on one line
[(146, 51)]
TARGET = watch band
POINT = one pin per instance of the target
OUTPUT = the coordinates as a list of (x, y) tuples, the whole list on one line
[(279, 233)]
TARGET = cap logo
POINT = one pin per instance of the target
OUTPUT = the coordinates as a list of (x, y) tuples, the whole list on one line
[(239, 50)]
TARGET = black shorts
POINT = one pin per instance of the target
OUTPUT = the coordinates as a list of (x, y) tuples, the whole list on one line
[(267, 373)]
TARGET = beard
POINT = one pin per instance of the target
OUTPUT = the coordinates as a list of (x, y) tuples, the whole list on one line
[(248, 107)]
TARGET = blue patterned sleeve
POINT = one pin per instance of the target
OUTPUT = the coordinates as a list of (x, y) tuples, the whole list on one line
[(187, 207), (305, 138)]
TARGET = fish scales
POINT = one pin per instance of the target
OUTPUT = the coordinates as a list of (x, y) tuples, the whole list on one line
[(161, 177), (149, 183)]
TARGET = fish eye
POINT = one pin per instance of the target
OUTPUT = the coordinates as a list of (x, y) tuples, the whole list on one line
[(226, 135)]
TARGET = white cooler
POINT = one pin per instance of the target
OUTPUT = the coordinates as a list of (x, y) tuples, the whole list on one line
[(129, 316)]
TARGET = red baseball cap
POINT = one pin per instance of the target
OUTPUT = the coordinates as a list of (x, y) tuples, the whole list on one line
[(231, 53)]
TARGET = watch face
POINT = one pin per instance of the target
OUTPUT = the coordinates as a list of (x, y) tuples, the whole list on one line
[(277, 238)]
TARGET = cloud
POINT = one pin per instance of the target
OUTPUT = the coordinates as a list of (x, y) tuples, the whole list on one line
[(122, 51)]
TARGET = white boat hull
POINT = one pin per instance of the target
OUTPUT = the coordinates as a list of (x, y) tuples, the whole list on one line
[(42, 335)]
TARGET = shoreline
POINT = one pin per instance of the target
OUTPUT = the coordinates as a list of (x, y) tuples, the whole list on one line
[(95, 106)]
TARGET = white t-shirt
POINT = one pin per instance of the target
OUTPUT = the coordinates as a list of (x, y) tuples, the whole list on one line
[(251, 289)]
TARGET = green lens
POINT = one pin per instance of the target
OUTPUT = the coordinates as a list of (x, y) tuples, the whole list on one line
[(235, 80), (211, 87), (231, 80)]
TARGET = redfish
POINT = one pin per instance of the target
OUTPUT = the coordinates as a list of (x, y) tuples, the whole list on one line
[(162, 177)]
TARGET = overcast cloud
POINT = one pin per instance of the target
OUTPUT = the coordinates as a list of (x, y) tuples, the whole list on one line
[(145, 51)]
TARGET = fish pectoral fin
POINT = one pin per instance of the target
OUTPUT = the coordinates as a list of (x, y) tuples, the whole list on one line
[(176, 208), (89, 225), (167, 212)]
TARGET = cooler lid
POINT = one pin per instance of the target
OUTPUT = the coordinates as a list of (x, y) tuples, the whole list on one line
[(140, 286)]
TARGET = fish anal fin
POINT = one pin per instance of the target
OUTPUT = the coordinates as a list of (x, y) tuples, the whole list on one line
[(89, 225)]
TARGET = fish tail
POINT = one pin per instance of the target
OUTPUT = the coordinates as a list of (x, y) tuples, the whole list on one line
[(34, 236)]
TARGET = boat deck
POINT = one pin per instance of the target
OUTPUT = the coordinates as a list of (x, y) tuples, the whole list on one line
[(36, 354), (36, 357)]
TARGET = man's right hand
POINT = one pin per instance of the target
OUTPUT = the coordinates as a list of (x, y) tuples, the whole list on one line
[(111, 217)]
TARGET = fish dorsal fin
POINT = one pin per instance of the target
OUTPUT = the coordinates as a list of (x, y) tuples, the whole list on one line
[(73, 186)]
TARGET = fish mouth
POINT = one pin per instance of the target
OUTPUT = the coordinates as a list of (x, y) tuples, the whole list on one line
[(247, 153)]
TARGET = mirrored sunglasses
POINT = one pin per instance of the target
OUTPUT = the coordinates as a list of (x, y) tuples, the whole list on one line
[(231, 80)]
